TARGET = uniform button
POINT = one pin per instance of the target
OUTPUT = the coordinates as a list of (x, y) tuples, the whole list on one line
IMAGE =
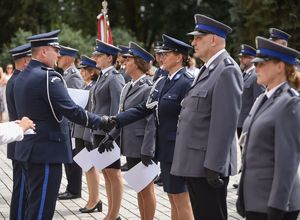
[(169, 96)]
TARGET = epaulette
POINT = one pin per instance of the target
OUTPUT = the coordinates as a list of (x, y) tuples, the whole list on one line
[(293, 92), (47, 68), (145, 80), (115, 72), (228, 62), (188, 75)]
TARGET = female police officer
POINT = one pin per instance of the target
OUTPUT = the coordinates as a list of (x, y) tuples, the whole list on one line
[(105, 100), (270, 185), (164, 103), (83, 137), (138, 139)]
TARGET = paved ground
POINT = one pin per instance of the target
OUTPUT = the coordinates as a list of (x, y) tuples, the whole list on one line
[(69, 209)]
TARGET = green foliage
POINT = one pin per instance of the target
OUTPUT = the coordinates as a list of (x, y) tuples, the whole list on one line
[(254, 18), (76, 39), (17, 40), (122, 36)]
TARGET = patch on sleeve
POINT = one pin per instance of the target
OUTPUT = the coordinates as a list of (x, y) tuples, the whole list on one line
[(54, 78)]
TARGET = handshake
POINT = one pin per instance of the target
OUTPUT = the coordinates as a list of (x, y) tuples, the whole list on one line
[(109, 122)]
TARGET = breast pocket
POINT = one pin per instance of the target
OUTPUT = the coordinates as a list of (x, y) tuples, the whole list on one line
[(170, 97), (199, 100)]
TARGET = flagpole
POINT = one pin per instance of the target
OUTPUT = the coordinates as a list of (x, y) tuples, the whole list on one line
[(104, 11), (104, 30)]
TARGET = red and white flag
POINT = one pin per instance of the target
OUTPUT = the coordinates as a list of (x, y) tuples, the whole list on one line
[(104, 31)]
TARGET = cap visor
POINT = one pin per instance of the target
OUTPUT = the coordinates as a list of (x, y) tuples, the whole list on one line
[(81, 66), (165, 51), (196, 33), (257, 60), (157, 50), (97, 53)]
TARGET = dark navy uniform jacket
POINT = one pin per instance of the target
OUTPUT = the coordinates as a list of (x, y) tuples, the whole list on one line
[(51, 143), (12, 113), (168, 97)]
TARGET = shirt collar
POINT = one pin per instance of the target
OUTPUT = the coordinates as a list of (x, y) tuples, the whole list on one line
[(172, 76), (107, 69), (249, 69), (136, 81), (269, 93), (214, 57)]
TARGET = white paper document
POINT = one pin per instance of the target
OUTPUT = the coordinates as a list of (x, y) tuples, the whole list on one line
[(83, 159), (139, 176), (100, 161), (79, 96), (29, 131)]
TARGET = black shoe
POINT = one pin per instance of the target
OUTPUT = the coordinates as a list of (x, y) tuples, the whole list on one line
[(81, 209), (124, 167), (235, 185), (98, 206), (67, 195)]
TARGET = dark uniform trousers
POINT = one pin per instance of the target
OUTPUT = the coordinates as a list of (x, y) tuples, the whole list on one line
[(43, 183), (264, 216), (18, 198), (213, 207), (74, 172)]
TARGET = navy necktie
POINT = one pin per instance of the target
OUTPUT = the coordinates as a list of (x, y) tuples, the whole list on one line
[(263, 100), (202, 69)]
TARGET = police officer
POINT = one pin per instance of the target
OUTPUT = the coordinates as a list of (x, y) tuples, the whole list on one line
[(279, 36), (83, 137), (40, 93), (120, 64), (270, 184), (137, 140), (164, 102), (205, 150), (21, 56), (157, 53), (66, 61), (251, 89), (73, 79), (105, 101)]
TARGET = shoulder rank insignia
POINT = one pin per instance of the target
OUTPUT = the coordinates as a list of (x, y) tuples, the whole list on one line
[(293, 92), (228, 61)]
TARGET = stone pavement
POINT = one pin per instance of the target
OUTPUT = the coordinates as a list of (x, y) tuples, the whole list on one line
[(68, 209)]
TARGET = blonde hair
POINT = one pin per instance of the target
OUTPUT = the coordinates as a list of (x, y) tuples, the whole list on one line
[(293, 76)]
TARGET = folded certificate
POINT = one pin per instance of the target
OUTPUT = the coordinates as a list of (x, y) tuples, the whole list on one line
[(83, 160), (79, 96), (139, 176), (100, 161)]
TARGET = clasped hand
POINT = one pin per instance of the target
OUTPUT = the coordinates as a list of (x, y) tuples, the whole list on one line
[(108, 122), (106, 144)]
